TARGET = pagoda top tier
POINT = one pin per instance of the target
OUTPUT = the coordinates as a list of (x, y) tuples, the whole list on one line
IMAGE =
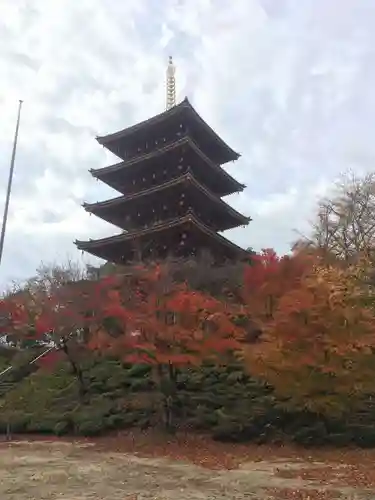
[(177, 122)]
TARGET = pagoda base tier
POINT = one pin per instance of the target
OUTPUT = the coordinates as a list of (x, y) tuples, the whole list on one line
[(183, 237)]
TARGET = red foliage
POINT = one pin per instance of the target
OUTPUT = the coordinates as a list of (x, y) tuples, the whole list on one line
[(60, 312), (267, 267), (14, 314), (49, 360), (144, 318), (267, 279), (160, 322)]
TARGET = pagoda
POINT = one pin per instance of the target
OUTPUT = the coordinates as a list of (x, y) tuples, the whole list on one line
[(171, 184)]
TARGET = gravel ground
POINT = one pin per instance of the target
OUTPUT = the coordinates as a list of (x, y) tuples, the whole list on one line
[(79, 471)]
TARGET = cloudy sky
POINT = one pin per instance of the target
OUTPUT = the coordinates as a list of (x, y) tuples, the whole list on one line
[(287, 83)]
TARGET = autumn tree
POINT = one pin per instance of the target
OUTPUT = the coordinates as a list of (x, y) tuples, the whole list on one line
[(200, 273), (152, 319), (48, 278), (267, 279), (344, 225), (320, 340), (61, 313)]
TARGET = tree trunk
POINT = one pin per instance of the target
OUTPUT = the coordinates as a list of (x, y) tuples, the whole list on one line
[(167, 387), (76, 371)]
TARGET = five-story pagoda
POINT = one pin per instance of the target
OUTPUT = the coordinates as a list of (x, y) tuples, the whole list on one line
[(171, 183)]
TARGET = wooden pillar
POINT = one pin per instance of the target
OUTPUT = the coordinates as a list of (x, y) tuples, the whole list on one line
[(137, 251)]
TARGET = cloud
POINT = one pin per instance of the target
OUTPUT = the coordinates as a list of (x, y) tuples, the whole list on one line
[(285, 82)]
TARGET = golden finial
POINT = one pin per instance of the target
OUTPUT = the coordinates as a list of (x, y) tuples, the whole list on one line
[(171, 84)]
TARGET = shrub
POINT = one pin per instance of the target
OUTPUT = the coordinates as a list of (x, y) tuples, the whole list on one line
[(223, 401)]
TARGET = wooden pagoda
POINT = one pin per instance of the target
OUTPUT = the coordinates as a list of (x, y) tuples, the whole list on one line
[(171, 183)]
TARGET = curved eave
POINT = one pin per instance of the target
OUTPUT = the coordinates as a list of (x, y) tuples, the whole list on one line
[(91, 245), (234, 155), (101, 173), (105, 140), (96, 208)]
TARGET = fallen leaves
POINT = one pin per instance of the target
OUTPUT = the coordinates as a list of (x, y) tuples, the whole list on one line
[(302, 494), (361, 474), (290, 473)]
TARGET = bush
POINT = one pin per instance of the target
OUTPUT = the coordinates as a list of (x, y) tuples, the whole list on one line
[(62, 427), (18, 422), (89, 427), (314, 434), (45, 425), (108, 375), (223, 401), (226, 402)]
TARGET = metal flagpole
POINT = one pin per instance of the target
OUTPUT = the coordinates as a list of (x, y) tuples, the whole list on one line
[(10, 180)]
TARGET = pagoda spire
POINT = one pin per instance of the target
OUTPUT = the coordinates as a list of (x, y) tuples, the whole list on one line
[(171, 85)]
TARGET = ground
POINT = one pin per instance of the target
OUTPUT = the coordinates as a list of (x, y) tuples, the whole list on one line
[(128, 467)]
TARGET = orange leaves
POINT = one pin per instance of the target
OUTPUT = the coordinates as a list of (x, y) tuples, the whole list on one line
[(320, 318), (98, 340), (182, 300)]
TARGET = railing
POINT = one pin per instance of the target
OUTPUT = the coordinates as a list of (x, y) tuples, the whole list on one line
[(7, 370)]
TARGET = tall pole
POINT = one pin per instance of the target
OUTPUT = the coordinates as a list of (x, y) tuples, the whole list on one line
[(10, 180)]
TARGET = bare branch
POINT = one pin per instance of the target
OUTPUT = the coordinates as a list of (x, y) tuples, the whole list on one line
[(344, 226)]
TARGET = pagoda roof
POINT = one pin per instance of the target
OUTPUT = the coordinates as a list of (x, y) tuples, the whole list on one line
[(105, 209), (104, 173), (104, 247), (184, 107)]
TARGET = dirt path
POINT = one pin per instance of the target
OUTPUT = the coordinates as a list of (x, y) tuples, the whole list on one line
[(77, 471)]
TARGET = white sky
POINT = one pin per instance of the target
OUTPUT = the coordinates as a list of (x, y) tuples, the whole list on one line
[(289, 84)]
